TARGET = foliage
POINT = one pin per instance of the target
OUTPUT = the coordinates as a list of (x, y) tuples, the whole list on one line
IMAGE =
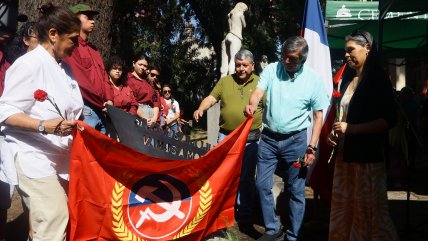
[(169, 30), (161, 30)]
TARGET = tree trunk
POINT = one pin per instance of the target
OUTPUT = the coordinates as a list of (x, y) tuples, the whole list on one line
[(101, 37)]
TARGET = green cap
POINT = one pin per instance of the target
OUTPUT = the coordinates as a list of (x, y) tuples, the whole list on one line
[(83, 8)]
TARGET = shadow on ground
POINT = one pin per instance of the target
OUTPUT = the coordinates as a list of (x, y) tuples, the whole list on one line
[(410, 217)]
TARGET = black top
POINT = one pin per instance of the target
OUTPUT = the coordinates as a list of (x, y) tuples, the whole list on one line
[(372, 99)]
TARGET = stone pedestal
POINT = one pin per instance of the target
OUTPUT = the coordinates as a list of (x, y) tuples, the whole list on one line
[(213, 115)]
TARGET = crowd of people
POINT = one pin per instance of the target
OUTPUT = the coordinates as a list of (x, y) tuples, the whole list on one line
[(61, 78)]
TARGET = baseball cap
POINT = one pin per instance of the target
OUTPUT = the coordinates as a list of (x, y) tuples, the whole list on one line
[(83, 8)]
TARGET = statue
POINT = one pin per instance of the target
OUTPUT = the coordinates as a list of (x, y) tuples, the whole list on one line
[(233, 41), (262, 64)]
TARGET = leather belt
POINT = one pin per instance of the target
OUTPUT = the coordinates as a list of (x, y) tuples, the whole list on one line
[(280, 136)]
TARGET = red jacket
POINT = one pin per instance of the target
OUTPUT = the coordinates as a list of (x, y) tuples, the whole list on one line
[(89, 71), (4, 65), (143, 91), (124, 99)]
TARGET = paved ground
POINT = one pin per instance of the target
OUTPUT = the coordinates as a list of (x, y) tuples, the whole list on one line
[(410, 217)]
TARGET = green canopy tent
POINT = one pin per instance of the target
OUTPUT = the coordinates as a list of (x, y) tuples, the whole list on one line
[(400, 26)]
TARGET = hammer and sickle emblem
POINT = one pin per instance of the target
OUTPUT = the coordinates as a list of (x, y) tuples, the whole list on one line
[(171, 209)]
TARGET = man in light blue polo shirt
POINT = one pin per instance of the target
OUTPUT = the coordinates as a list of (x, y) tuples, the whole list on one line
[(293, 91)]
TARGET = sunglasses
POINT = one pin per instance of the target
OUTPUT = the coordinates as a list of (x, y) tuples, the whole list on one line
[(154, 75), (358, 32), (167, 91)]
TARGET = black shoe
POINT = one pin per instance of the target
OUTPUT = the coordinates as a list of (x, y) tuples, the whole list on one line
[(272, 237), (248, 229)]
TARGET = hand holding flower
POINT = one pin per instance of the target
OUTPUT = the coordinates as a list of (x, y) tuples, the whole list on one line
[(340, 128), (309, 158), (59, 126), (41, 96), (332, 139)]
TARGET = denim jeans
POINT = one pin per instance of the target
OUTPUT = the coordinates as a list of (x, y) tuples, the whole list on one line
[(173, 129), (94, 118), (246, 190), (287, 150)]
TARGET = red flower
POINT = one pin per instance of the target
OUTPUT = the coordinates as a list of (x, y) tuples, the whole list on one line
[(336, 94), (297, 164), (40, 95)]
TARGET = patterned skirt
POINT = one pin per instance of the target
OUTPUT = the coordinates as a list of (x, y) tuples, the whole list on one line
[(359, 205)]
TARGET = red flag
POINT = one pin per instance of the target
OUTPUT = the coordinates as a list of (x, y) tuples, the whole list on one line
[(321, 180), (117, 193)]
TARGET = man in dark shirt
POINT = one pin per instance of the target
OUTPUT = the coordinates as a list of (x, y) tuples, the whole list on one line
[(89, 71)]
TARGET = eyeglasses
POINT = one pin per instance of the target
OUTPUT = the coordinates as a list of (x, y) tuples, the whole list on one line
[(154, 75), (292, 59), (167, 91)]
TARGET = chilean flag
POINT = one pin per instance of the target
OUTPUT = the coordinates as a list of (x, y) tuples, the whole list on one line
[(316, 36), (319, 53)]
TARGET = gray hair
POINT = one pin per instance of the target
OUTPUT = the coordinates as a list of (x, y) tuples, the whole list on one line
[(244, 54), (361, 37), (294, 43)]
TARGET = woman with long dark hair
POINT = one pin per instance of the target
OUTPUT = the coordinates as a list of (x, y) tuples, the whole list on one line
[(359, 206), (145, 94)]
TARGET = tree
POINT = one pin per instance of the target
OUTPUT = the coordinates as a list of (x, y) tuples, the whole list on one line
[(161, 30), (101, 37)]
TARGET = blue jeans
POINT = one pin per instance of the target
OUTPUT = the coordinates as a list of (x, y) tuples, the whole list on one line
[(94, 118), (173, 129), (246, 191), (287, 149)]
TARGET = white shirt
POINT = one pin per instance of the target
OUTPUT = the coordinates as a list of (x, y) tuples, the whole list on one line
[(39, 155), (175, 108)]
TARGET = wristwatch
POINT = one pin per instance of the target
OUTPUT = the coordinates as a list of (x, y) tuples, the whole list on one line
[(42, 127), (311, 149)]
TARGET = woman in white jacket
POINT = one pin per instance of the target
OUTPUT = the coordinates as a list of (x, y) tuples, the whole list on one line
[(38, 109)]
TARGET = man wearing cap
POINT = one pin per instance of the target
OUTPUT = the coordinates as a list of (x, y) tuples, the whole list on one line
[(89, 71)]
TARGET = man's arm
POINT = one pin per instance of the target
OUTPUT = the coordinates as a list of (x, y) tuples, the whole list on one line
[(317, 126), (255, 98), (205, 105), (316, 130)]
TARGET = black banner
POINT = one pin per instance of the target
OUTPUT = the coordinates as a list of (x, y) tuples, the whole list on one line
[(154, 141)]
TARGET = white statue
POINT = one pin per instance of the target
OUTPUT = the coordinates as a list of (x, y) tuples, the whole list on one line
[(262, 64), (233, 41)]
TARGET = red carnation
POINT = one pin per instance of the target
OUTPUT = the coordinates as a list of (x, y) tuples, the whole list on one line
[(40, 95), (297, 164), (336, 94)]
